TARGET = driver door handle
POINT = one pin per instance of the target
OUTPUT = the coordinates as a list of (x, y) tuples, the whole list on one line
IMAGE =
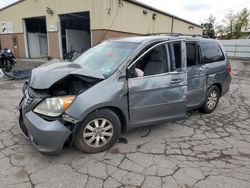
[(176, 81)]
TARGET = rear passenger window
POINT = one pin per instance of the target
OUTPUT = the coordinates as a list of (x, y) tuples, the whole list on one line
[(211, 52), (192, 55)]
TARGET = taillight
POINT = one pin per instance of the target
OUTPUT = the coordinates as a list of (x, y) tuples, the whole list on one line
[(229, 68)]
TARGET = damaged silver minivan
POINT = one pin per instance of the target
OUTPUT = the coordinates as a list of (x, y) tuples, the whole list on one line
[(120, 85)]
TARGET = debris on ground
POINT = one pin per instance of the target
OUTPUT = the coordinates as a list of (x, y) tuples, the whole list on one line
[(18, 75), (22, 70)]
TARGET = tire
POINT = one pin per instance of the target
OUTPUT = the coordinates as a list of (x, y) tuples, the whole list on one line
[(211, 100), (8, 66), (87, 136)]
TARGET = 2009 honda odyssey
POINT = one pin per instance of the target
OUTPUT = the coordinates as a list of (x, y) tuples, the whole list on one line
[(119, 85)]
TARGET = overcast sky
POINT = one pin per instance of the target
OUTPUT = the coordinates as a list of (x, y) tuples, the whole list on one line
[(198, 10), (4, 3), (193, 10)]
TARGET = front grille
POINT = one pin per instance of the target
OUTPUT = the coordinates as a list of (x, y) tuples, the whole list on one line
[(27, 99)]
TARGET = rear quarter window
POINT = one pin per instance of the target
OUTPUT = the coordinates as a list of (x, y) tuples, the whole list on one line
[(211, 52)]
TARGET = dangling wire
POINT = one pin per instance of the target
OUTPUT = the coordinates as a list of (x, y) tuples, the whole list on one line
[(109, 9), (120, 3)]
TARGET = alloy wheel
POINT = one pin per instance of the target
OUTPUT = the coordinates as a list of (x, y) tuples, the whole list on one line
[(212, 99), (98, 132)]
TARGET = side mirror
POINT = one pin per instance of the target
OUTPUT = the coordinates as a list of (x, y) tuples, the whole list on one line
[(130, 73)]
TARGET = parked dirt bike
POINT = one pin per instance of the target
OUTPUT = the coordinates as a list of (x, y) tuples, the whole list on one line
[(7, 60)]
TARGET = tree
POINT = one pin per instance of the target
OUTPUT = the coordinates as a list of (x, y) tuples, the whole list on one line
[(229, 24), (208, 27), (241, 23), (219, 31), (236, 24)]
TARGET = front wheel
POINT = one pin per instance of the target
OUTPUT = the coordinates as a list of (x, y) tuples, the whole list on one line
[(98, 132), (211, 100), (7, 67)]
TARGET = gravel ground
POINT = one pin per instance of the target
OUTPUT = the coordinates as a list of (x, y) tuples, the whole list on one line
[(202, 151)]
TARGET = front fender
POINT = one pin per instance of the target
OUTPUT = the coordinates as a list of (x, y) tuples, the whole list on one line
[(107, 93)]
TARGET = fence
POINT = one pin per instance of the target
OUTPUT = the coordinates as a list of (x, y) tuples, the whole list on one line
[(239, 48)]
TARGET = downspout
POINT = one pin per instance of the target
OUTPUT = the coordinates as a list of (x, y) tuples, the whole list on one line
[(172, 26)]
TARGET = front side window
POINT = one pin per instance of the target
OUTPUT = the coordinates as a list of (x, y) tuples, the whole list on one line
[(211, 52), (152, 63), (106, 57)]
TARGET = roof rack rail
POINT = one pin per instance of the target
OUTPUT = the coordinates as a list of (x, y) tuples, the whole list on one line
[(158, 34), (177, 35), (195, 35)]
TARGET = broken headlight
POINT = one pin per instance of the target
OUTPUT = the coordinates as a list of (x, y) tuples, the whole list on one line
[(54, 106)]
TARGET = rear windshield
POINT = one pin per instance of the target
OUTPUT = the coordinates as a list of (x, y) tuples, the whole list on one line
[(106, 57)]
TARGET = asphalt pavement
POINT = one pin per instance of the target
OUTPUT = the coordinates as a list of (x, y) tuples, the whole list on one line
[(209, 151)]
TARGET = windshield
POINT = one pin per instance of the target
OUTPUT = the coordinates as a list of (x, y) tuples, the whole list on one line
[(106, 57)]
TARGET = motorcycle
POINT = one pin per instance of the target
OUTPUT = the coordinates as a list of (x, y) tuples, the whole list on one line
[(72, 54), (7, 60)]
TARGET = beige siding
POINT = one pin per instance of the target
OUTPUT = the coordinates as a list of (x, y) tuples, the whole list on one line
[(127, 18), (130, 18), (186, 28), (35, 8)]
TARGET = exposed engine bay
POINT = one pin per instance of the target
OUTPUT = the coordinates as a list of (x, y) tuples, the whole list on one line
[(72, 85), (69, 85)]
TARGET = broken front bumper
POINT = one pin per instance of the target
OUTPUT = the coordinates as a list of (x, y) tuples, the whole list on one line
[(48, 137)]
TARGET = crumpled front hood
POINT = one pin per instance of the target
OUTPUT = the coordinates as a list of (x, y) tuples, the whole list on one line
[(44, 76)]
